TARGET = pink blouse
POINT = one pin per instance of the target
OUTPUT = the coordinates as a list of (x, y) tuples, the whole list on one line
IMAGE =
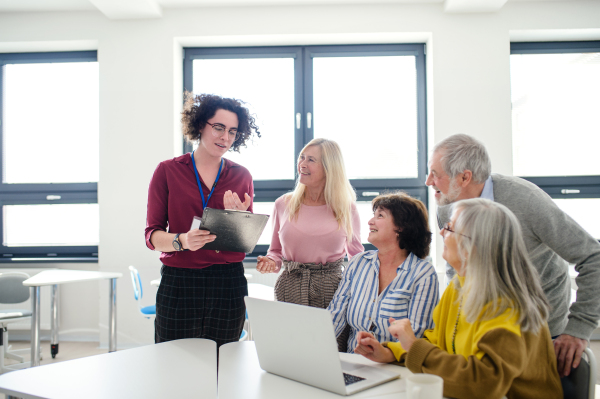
[(314, 237)]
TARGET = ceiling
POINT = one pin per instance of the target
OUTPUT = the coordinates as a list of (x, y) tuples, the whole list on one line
[(135, 9)]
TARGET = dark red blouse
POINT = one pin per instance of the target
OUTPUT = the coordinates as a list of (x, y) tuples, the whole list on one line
[(174, 199)]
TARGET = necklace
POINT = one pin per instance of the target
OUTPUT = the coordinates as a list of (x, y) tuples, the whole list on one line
[(455, 328)]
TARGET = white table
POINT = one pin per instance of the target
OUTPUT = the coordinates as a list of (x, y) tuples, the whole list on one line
[(240, 376), (54, 278), (176, 369)]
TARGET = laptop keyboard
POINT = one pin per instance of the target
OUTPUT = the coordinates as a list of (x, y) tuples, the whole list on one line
[(351, 379)]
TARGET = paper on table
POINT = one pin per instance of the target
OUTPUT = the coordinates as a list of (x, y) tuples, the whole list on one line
[(196, 222)]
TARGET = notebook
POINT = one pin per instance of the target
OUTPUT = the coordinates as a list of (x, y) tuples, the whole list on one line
[(298, 342)]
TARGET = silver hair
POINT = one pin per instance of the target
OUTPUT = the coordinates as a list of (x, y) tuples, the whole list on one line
[(462, 152), (499, 274)]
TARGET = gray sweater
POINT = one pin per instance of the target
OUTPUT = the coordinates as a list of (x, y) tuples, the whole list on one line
[(552, 238)]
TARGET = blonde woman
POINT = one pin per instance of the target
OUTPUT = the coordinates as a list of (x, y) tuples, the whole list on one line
[(314, 227), (491, 336)]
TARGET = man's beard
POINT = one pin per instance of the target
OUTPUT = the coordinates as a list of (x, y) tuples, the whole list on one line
[(453, 193)]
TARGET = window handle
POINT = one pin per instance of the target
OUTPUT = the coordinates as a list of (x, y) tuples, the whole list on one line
[(298, 120), (567, 191), (53, 197), (308, 120)]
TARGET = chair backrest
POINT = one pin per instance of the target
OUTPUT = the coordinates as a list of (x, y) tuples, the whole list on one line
[(136, 280), (12, 289), (581, 382)]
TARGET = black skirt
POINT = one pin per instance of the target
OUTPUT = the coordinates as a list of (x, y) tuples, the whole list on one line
[(201, 303)]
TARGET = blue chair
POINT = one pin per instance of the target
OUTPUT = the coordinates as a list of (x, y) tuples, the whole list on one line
[(147, 311)]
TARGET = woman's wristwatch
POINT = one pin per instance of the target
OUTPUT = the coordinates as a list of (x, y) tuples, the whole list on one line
[(177, 244)]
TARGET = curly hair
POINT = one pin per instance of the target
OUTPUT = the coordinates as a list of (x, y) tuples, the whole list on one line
[(197, 110), (411, 220)]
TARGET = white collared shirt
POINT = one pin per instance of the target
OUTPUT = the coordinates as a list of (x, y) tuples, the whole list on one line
[(488, 189)]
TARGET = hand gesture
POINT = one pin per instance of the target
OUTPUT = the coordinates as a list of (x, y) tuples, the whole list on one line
[(195, 239), (568, 351), (265, 265), (232, 201), (403, 332), (370, 348)]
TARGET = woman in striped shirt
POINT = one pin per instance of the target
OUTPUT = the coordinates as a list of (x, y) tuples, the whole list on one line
[(394, 281)]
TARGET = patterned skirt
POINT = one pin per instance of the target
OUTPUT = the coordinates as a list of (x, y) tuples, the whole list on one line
[(201, 303), (310, 284)]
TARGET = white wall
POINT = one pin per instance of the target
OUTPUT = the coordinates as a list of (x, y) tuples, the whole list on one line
[(140, 92)]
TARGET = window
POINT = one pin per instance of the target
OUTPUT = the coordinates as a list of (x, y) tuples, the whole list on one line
[(50, 158), (370, 99), (556, 136)]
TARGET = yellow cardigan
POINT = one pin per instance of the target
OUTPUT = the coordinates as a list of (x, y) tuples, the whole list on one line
[(493, 357)]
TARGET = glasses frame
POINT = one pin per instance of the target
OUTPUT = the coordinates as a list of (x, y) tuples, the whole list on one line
[(448, 228), (216, 133)]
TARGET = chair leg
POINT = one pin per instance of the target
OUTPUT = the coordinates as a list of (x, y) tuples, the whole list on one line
[(5, 354)]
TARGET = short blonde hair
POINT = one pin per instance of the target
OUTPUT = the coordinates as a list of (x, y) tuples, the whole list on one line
[(339, 194)]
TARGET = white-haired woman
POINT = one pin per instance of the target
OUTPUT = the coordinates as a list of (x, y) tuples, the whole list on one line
[(314, 227), (491, 337)]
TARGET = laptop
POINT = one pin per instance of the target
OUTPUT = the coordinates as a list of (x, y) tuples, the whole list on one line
[(298, 342)]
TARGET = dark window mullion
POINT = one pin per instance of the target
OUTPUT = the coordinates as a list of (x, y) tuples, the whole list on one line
[(49, 58), (308, 97), (554, 47)]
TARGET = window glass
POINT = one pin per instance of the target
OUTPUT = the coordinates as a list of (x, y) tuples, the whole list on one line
[(51, 225), (50, 123), (265, 208), (365, 212), (584, 211), (266, 85), (555, 103), (368, 105)]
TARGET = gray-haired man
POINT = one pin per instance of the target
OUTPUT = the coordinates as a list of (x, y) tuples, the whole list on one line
[(459, 169)]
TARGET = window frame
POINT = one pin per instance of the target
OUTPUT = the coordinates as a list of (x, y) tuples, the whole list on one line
[(562, 187), (270, 190), (37, 194)]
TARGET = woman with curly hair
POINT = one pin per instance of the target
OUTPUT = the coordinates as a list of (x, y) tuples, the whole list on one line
[(392, 282), (201, 294)]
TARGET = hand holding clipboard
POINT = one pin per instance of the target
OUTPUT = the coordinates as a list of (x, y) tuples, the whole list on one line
[(236, 231)]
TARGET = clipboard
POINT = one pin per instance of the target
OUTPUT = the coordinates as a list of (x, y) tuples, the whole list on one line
[(236, 231)]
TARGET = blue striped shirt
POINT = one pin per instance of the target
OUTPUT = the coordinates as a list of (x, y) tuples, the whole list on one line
[(412, 294)]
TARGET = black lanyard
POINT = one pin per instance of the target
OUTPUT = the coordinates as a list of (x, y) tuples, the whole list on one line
[(200, 185)]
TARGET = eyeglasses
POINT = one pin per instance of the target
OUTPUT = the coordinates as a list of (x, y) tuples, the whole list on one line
[(218, 130), (449, 230)]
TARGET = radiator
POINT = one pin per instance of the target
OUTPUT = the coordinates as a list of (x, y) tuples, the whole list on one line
[(45, 293)]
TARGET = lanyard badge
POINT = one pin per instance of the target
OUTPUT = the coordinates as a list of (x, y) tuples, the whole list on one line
[(205, 203)]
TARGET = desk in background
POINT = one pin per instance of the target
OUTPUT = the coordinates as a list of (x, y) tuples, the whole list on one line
[(54, 278), (176, 369)]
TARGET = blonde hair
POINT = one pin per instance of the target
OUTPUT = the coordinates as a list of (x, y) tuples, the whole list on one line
[(339, 194), (499, 274)]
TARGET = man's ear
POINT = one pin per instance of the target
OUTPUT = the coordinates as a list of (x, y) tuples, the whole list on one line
[(466, 178)]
